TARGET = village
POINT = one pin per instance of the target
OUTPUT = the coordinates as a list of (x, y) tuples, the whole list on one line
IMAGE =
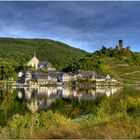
[(53, 77)]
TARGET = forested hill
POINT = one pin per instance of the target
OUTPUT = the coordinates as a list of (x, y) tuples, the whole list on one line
[(121, 63), (21, 51)]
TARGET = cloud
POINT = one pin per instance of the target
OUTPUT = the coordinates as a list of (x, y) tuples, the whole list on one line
[(85, 25)]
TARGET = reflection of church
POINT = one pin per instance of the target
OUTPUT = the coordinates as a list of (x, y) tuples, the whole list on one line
[(35, 63), (33, 105), (44, 97)]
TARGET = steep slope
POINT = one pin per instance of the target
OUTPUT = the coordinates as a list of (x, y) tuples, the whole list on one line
[(21, 51), (120, 63)]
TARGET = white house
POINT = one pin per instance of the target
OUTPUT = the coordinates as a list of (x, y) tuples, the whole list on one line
[(64, 77), (108, 77), (20, 74), (28, 76)]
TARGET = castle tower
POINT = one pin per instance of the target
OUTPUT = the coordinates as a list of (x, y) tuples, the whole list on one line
[(120, 43)]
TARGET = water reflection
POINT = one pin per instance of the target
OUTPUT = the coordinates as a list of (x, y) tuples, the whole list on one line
[(43, 97)]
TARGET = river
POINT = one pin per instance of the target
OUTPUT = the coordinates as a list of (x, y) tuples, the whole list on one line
[(60, 99)]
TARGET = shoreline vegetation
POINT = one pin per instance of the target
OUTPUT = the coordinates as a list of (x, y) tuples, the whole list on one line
[(83, 83), (111, 117), (6, 84)]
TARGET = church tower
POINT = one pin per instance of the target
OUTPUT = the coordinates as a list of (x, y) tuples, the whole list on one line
[(34, 54), (34, 62)]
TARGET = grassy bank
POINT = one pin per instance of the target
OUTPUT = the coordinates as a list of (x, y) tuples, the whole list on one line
[(115, 117)]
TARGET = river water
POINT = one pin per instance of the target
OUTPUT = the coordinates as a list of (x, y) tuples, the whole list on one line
[(44, 97), (29, 100)]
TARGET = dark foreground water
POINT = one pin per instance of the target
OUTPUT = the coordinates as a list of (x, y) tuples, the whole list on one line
[(71, 102)]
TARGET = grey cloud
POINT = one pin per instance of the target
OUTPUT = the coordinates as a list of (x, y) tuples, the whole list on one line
[(86, 25)]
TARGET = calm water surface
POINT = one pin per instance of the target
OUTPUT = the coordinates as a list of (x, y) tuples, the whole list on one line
[(22, 100), (44, 97)]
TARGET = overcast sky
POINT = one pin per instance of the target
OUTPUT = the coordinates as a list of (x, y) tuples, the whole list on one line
[(85, 25)]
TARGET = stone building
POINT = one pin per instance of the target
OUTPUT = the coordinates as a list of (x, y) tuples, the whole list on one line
[(120, 43), (34, 62), (43, 65)]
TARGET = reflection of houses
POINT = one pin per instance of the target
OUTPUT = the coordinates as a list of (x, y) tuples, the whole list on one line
[(38, 98), (92, 94), (67, 93), (44, 97), (20, 94), (107, 91), (28, 94)]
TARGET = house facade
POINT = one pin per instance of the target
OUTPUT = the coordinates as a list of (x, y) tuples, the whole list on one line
[(43, 65)]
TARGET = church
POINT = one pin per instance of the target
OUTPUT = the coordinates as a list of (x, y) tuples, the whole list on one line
[(35, 63)]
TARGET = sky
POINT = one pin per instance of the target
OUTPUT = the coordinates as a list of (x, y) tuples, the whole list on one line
[(84, 25)]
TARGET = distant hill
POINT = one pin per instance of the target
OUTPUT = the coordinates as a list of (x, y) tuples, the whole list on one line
[(124, 63), (120, 63), (21, 51)]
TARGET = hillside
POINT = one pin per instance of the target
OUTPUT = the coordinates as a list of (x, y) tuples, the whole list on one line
[(120, 63), (21, 51), (124, 63)]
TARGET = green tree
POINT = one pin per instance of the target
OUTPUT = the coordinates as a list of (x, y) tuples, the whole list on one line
[(7, 70)]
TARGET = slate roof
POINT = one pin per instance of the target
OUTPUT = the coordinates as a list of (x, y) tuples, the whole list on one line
[(44, 63), (88, 74), (100, 77), (53, 74), (39, 75)]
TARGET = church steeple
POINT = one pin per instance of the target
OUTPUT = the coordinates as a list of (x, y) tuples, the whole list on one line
[(34, 62), (34, 54)]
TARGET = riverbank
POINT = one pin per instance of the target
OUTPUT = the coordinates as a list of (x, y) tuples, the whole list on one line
[(115, 117), (73, 83)]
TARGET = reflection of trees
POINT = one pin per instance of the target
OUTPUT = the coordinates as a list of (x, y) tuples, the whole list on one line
[(44, 97), (9, 105), (5, 103), (73, 108)]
